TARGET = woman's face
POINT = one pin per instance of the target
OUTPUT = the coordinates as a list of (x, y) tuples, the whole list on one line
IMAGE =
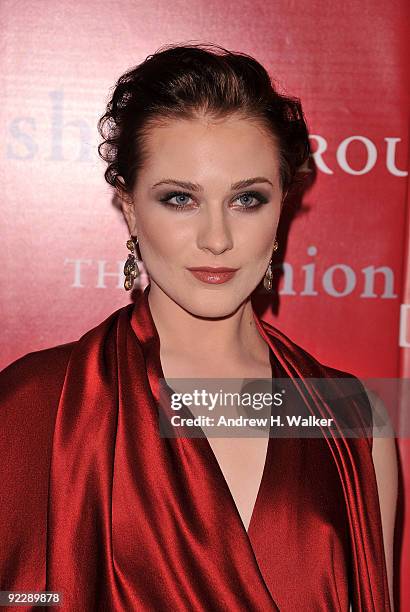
[(210, 222)]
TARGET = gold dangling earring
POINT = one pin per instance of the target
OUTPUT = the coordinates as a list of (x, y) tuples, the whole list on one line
[(267, 281), (131, 269)]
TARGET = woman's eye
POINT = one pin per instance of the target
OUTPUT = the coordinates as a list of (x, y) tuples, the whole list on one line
[(250, 200), (181, 200), (247, 198)]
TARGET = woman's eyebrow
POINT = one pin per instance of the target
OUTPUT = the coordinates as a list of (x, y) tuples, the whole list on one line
[(196, 187)]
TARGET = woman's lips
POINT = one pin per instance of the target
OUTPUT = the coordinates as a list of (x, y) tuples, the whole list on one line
[(213, 276)]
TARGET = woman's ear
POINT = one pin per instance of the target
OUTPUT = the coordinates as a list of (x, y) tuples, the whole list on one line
[(128, 209)]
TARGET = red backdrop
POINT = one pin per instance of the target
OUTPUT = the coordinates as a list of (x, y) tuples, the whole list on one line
[(346, 293)]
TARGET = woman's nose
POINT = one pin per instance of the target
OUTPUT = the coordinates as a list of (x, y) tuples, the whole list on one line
[(214, 232)]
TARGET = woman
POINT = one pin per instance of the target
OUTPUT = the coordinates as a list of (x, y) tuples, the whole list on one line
[(97, 505)]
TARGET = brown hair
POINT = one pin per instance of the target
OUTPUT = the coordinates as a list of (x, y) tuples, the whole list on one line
[(184, 81)]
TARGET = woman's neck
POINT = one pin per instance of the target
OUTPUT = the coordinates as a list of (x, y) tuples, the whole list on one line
[(232, 341)]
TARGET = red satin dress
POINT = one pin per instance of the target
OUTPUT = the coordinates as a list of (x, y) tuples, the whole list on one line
[(97, 506)]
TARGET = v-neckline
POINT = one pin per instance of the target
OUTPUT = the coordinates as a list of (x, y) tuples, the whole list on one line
[(147, 332), (261, 487), (216, 465)]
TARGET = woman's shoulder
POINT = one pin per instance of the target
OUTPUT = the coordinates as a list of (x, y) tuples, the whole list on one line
[(298, 353), (343, 391), (33, 383), (35, 373), (30, 389)]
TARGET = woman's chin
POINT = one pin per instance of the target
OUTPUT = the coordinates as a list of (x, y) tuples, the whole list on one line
[(215, 305)]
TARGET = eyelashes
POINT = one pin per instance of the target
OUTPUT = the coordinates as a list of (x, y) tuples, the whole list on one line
[(259, 197)]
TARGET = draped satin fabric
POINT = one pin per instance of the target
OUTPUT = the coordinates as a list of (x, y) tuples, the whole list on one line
[(96, 505)]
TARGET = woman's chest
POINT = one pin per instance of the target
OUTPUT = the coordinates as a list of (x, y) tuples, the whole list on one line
[(242, 462)]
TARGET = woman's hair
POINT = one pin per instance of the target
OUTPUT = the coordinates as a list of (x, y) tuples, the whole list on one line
[(192, 80)]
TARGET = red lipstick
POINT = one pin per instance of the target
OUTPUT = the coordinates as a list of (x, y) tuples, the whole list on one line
[(214, 276)]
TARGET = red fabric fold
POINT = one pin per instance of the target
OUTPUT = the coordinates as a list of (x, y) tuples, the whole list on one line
[(133, 521)]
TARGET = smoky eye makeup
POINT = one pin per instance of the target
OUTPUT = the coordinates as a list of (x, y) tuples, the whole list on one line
[(255, 199)]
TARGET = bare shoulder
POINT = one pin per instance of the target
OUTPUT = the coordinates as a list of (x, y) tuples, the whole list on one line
[(385, 460)]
